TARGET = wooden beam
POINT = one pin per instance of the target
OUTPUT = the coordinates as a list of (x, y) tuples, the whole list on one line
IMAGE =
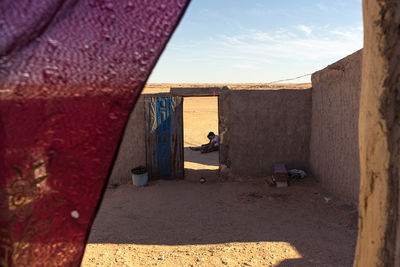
[(198, 91)]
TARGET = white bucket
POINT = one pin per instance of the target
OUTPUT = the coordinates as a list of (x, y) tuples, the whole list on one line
[(140, 176)]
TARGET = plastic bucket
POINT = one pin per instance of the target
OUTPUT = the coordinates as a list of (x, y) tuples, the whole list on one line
[(140, 176)]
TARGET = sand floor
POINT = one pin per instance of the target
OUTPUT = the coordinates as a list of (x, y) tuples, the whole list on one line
[(200, 116), (181, 223)]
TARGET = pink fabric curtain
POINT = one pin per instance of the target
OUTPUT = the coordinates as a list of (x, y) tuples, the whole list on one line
[(70, 73)]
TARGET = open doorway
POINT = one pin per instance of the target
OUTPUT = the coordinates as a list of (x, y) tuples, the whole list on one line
[(200, 116)]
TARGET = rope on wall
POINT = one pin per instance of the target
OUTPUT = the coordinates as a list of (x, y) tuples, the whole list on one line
[(290, 79)]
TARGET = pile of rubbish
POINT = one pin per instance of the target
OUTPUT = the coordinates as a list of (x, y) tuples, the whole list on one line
[(281, 176), (296, 174)]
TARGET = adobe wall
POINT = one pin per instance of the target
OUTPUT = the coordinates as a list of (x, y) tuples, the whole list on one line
[(334, 155), (379, 222), (261, 127), (132, 151)]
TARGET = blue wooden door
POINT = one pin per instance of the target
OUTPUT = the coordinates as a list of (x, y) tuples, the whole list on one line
[(164, 136)]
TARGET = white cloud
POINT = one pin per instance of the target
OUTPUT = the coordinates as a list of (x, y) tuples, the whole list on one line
[(324, 44), (305, 29), (232, 39), (261, 36), (260, 56)]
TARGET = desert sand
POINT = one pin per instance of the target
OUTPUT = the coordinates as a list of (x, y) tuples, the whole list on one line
[(219, 223), (200, 116)]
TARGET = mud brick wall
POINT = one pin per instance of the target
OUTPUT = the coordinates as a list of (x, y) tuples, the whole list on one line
[(334, 152), (263, 127)]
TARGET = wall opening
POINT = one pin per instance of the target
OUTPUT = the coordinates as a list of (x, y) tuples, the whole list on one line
[(200, 116)]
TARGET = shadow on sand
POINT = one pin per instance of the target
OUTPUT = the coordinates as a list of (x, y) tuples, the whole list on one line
[(207, 159), (186, 213)]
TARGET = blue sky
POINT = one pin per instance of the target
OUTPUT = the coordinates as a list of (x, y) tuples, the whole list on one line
[(245, 41)]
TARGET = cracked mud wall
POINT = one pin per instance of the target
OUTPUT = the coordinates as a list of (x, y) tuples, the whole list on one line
[(334, 155), (379, 228)]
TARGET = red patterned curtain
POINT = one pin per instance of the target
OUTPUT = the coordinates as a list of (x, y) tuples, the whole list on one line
[(70, 73)]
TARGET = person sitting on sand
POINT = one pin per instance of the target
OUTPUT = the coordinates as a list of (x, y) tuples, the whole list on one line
[(213, 145)]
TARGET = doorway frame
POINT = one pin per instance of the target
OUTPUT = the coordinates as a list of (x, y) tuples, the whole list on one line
[(219, 92)]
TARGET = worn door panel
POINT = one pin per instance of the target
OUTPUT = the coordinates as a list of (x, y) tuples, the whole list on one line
[(177, 157), (164, 137)]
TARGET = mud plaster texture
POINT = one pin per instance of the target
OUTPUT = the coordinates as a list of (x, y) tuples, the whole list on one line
[(334, 155), (274, 128), (379, 228), (132, 151), (260, 128)]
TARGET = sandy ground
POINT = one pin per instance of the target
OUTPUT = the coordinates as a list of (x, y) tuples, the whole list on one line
[(185, 223), (200, 116), (181, 223)]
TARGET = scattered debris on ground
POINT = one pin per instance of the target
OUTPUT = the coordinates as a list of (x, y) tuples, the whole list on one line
[(180, 223)]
